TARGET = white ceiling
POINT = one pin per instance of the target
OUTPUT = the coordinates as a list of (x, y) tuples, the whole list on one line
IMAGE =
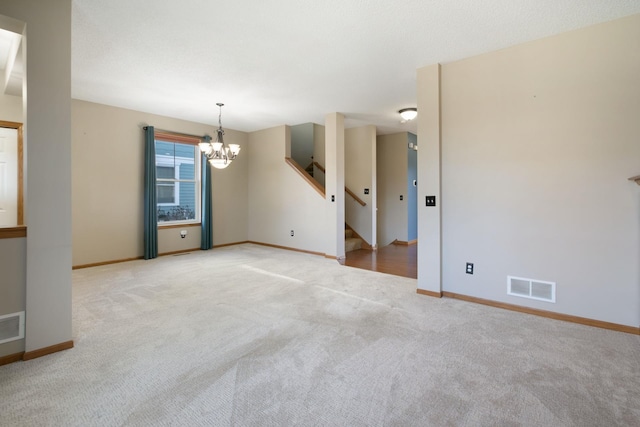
[(276, 62)]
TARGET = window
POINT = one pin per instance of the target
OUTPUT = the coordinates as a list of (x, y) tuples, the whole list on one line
[(177, 182)]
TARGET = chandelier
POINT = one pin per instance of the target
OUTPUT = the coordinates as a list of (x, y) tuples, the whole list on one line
[(220, 155)]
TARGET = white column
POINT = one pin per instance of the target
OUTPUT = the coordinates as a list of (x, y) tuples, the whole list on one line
[(48, 172), (429, 217), (334, 184)]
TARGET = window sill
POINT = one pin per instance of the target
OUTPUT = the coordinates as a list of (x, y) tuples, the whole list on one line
[(186, 224), (13, 232)]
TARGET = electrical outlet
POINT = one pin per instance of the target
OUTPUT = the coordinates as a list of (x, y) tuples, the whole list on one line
[(291, 233), (469, 268), (366, 191), (401, 197), (333, 198), (430, 200), (183, 233)]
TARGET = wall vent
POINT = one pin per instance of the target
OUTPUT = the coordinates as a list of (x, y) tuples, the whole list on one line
[(531, 288), (11, 327)]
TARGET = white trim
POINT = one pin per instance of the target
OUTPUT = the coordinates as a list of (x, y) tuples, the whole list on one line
[(164, 160)]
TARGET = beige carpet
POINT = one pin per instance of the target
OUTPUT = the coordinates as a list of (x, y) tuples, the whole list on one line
[(255, 336)]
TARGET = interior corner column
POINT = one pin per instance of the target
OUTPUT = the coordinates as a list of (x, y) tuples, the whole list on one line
[(47, 137), (334, 184), (429, 217)]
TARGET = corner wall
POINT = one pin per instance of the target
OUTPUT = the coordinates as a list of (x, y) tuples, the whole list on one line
[(12, 251), (47, 138), (279, 199), (538, 143), (392, 183), (11, 108), (360, 173), (107, 206)]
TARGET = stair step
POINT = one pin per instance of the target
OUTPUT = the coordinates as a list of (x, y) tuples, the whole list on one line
[(352, 244), (348, 233)]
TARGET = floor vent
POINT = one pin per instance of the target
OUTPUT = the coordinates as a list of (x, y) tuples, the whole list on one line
[(531, 288), (11, 327)]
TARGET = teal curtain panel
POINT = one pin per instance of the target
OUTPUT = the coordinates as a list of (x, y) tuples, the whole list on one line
[(150, 206)]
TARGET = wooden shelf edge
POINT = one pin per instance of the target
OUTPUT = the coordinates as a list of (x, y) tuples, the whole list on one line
[(13, 232)]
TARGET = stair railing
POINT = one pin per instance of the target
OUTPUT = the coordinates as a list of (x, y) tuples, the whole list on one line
[(316, 185)]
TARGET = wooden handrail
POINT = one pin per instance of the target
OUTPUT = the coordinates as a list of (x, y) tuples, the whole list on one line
[(356, 198), (319, 166), (304, 174), (349, 192), (636, 179)]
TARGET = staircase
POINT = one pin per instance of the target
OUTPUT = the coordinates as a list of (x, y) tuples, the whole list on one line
[(351, 242)]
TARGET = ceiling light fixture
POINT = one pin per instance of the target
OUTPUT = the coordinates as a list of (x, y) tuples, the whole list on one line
[(408, 114), (219, 154)]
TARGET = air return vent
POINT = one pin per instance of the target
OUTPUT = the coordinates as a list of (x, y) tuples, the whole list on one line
[(11, 327), (531, 288)]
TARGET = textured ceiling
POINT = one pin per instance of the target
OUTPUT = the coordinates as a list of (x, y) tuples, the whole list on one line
[(276, 62)]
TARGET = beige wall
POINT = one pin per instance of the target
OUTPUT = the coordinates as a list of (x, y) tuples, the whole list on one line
[(108, 150), (279, 199), (47, 137), (429, 179), (13, 255), (12, 251), (12, 285), (360, 173), (538, 143), (11, 108), (392, 182), (318, 151)]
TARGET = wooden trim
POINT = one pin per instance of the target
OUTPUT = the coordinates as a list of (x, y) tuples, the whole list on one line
[(403, 243), (287, 248), (330, 256), (98, 264), (230, 244), (304, 174), (20, 177), (11, 125), (13, 232), (20, 149), (117, 261), (11, 358), (544, 313), (180, 138), (349, 192), (47, 350), (636, 179), (319, 166), (356, 198), (429, 293), (191, 224), (181, 251)]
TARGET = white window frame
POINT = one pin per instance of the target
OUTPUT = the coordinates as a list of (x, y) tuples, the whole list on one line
[(172, 161)]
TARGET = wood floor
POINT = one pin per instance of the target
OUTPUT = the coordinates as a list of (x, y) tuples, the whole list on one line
[(399, 260)]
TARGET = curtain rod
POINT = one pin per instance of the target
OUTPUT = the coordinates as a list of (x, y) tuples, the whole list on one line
[(201, 137)]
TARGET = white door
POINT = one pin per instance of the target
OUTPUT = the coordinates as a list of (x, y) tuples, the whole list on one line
[(8, 177)]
